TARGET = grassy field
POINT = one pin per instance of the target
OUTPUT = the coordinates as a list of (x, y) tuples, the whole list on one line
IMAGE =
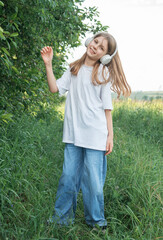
[(144, 95), (31, 158)]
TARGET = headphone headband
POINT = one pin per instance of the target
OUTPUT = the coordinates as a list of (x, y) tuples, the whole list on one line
[(106, 58)]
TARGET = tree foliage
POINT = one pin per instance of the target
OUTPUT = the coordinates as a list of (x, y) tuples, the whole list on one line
[(27, 26)]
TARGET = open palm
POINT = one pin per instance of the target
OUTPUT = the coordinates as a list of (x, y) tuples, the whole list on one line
[(47, 54)]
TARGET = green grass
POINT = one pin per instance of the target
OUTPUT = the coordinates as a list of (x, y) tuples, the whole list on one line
[(143, 95), (31, 158)]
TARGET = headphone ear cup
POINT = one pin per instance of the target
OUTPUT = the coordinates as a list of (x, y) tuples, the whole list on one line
[(105, 59), (87, 42)]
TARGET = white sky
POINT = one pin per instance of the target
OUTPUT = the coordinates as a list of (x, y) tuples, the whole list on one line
[(138, 30)]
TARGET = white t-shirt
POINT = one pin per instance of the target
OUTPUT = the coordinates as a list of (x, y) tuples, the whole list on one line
[(85, 123)]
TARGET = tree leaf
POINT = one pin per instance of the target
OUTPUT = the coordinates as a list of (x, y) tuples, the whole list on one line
[(14, 34), (5, 50), (15, 69), (1, 29), (2, 36), (1, 4)]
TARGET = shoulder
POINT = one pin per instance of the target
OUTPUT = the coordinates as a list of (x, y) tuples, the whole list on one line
[(65, 75), (67, 72)]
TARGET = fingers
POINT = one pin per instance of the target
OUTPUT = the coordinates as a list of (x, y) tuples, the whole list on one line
[(108, 152), (108, 149), (46, 49)]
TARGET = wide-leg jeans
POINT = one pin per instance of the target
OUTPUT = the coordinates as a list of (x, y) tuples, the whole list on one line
[(84, 169)]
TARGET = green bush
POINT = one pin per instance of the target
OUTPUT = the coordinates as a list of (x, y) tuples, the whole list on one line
[(26, 27)]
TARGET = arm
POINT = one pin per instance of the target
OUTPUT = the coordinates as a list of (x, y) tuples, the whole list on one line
[(47, 56), (109, 143)]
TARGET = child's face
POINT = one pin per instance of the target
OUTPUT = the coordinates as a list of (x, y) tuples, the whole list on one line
[(97, 48)]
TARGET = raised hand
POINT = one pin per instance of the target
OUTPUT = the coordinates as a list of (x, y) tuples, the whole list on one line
[(47, 54)]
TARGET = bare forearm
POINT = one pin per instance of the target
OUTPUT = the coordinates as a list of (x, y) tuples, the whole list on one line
[(51, 78), (109, 122), (47, 56)]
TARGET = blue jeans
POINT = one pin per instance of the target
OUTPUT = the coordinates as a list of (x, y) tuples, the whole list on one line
[(86, 169)]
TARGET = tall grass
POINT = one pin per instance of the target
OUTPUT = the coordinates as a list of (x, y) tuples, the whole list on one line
[(31, 157), (141, 118)]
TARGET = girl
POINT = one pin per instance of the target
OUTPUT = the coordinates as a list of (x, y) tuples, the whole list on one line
[(88, 128)]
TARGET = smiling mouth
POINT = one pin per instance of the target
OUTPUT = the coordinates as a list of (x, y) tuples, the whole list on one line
[(92, 51)]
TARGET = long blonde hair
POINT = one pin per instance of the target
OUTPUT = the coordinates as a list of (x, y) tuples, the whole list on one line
[(116, 76)]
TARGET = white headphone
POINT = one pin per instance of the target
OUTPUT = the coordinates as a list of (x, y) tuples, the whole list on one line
[(106, 58)]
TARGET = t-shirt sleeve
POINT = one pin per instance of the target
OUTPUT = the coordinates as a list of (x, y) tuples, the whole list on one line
[(63, 83), (106, 96)]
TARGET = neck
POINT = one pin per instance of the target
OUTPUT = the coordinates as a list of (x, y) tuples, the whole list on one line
[(89, 62)]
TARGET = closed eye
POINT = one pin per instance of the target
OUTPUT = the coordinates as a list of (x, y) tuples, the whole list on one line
[(101, 46)]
